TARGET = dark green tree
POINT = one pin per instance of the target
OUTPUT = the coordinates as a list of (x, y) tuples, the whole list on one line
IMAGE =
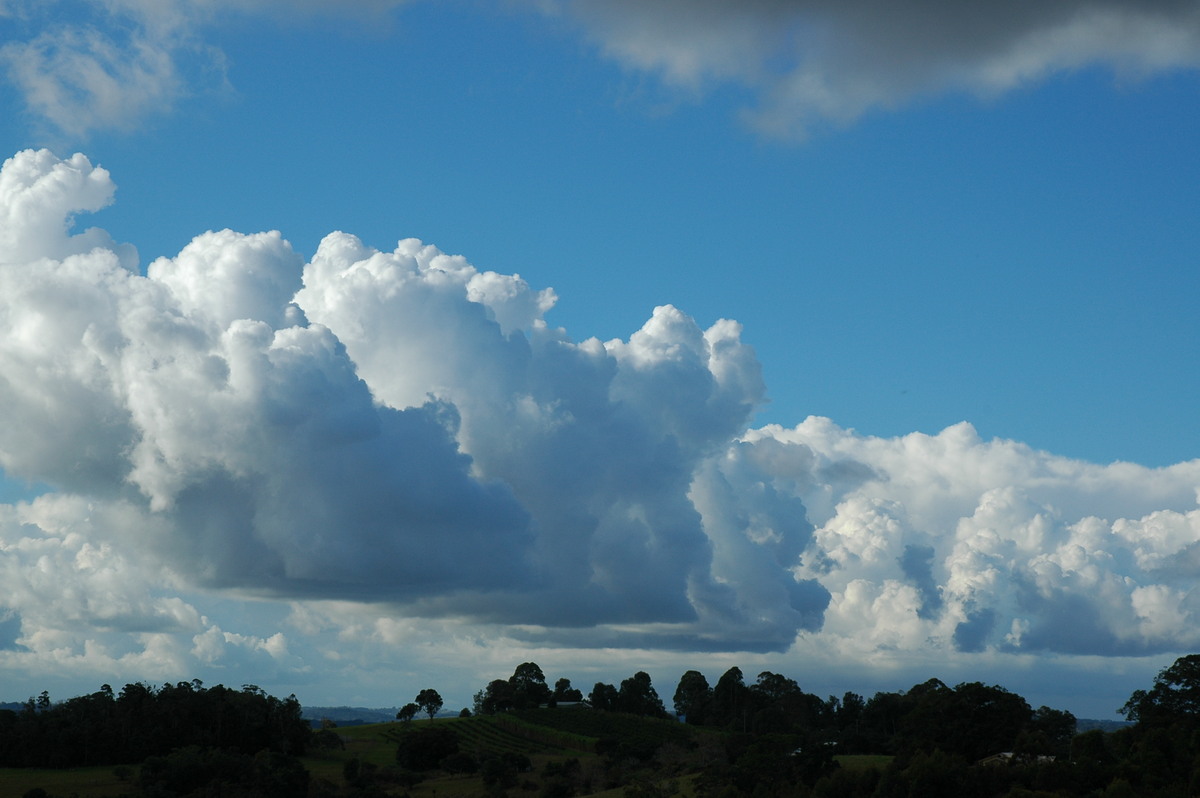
[(496, 697), (407, 712), (429, 701), (731, 701), (603, 697), (637, 696), (563, 691), (1174, 697), (1057, 726), (529, 686), (692, 697)]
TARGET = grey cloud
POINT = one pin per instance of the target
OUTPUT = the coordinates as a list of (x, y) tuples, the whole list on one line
[(806, 63), (917, 565), (812, 62), (973, 633), (10, 628)]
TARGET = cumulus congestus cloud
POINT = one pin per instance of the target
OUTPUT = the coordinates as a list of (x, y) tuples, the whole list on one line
[(401, 432), (377, 426)]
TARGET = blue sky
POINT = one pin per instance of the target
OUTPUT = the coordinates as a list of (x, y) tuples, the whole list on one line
[(979, 216)]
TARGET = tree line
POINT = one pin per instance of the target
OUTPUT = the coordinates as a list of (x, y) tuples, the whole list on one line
[(770, 738), (971, 719), (141, 721), (765, 738)]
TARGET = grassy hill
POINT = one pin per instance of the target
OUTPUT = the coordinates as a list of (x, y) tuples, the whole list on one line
[(559, 746), (578, 752)]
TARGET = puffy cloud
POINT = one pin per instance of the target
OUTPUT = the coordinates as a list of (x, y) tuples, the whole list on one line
[(811, 62), (598, 441), (383, 426), (1002, 547), (402, 447), (39, 195)]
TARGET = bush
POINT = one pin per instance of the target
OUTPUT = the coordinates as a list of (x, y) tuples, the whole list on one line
[(459, 762), (426, 748)]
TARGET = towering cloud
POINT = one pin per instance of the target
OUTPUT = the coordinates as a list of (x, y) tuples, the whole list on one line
[(401, 430), (376, 426)]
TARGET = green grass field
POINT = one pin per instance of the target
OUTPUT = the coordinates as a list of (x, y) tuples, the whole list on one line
[(863, 761), (97, 782), (479, 736), (544, 736)]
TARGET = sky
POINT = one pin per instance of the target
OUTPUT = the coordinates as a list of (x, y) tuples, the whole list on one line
[(353, 348)]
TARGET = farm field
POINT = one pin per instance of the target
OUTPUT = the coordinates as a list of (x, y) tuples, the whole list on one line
[(94, 782)]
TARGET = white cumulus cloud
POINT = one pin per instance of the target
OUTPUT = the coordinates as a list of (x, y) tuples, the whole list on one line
[(395, 442)]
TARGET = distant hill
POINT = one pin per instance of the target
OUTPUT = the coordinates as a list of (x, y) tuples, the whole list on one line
[(15, 707), (1087, 724), (349, 716)]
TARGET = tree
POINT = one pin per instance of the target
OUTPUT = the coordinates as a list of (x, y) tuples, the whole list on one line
[(972, 720), (731, 700), (429, 700), (1174, 697), (773, 688), (407, 712), (497, 697), (529, 686), (603, 697), (1058, 727), (637, 696), (563, 691), (692, 696)]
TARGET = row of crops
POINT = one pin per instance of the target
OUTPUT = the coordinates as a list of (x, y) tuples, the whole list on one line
[(584, 723), (499, 735)]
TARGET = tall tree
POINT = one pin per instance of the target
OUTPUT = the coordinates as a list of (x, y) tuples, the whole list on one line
[(430, 701), (603, 697), (496, 697), (638, 696), (692, 697), (563, 691), (529, 686), (731, 700), (1174, 697)]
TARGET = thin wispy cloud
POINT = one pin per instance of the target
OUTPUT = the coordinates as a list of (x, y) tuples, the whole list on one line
[(110, 64), (814, 63)]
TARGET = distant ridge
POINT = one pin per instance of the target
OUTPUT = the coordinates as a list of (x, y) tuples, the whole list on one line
[(349, 716), (1088, 724)]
